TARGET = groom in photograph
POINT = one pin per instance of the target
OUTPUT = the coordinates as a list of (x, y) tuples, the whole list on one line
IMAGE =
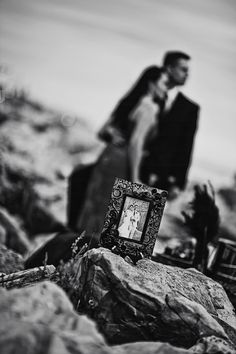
[(169, 151)]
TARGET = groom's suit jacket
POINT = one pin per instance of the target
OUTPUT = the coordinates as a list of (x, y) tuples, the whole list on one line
[(169, 151)]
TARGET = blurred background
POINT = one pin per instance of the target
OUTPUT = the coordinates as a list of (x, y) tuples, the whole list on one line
[(64, 64), (80, 57)]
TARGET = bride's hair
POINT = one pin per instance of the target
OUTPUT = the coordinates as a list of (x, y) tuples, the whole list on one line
[(137, 91)]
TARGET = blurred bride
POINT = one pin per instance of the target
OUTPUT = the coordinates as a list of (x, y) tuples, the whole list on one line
[(125, 134), (134, 222)]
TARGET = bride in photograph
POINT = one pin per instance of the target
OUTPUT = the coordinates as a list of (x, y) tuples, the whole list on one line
[(125, 227), (134, 222)]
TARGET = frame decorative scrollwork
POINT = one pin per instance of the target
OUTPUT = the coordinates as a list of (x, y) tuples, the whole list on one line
[(110, 236)]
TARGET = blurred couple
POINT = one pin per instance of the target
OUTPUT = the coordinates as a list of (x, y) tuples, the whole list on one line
[(149, 139)]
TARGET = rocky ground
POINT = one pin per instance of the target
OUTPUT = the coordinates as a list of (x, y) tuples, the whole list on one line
[(38, 150), (143, 308), (147, 308)]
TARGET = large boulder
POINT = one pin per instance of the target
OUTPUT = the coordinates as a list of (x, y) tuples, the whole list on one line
[(150, 301), (40, 319)]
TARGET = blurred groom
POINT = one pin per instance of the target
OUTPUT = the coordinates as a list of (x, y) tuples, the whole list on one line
[(169, 150)]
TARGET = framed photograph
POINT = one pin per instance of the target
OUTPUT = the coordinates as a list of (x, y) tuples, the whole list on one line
[(133, 218)]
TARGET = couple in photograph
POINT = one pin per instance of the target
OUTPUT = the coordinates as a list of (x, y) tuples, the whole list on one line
[(130, 221), (149, 139)]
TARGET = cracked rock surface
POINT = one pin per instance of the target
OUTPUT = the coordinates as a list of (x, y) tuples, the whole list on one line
[(151, 301), (40, 319)]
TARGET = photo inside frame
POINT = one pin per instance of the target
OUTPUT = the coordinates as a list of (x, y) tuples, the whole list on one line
[(133, 217)]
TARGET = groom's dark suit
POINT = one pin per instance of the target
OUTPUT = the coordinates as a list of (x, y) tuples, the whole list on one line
[(169, 151)]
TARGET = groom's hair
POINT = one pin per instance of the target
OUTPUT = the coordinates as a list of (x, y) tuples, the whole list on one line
[(171, 57)]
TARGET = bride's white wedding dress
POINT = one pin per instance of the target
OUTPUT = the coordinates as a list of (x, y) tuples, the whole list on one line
[(124, 229)]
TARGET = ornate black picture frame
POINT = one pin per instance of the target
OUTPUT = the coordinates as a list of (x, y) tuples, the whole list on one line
[(133, 218)]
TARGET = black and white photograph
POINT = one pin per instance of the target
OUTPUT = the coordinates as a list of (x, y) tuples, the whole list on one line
[(117, 176), (133, 218)]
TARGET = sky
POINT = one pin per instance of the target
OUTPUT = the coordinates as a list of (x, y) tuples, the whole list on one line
[(81, 56)]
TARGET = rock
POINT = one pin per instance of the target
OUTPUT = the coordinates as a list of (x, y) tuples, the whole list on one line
[(151, 301), (207, 345), (188, 319), (10, 261), (38, 150), (35, 338), (12, 234), (40, 319), (213, 345), (20, 198), (22, 337), (148, 348)]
